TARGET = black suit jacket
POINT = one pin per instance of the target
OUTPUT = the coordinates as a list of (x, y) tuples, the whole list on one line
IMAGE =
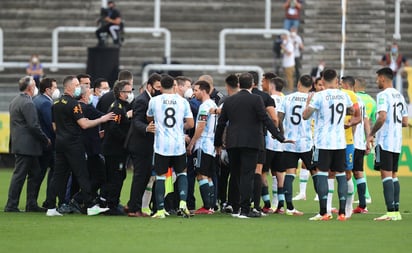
[(139, 141), (244, 114)]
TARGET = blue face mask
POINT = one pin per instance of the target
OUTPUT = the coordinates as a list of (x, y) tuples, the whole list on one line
[(77, 92), (394, 50)]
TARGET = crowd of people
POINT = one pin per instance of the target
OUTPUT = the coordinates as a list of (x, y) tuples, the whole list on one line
[(176, 131)]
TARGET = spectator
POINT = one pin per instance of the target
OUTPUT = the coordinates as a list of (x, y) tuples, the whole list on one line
[(394, 60), (288, 61), (35, 69), (293, 9), (110, 23), (298, 47)]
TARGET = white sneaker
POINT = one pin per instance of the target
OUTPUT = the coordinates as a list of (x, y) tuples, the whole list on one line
[(53, 212), (300, 196), (293, 212), (96, 209)]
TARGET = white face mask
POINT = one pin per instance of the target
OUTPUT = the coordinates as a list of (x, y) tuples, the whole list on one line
[(35, 60), (36, 91), (55, 94), (130, 98), (102, 92), (188, 93)]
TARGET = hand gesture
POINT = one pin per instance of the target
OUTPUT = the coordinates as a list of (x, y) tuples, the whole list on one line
[(151, 128)]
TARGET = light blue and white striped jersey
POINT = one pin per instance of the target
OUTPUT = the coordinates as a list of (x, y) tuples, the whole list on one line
[(389, 136), (331, 105), (169, 112), (359, 137), (271, 143), (295, 128), (205, 142)]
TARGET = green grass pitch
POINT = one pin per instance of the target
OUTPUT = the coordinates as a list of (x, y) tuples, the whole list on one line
[(34, 232)]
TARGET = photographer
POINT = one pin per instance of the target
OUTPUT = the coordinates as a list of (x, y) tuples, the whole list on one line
[(111, 22)]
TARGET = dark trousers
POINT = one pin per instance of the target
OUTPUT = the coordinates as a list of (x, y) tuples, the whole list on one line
[(223, 183), (46, 162), (115, 174), (142, 170), (242, 167), (191, 181), (25, 165), (97, 176), (72, 160)]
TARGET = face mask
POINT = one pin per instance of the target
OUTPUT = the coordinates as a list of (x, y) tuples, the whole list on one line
[(130, 98), (188, 93), (34, 60), (156, 93), (36, 91), (102, 92), (293, 34), (394, 50), (77, 92), (321, 67), (90, 99), (55, 94)]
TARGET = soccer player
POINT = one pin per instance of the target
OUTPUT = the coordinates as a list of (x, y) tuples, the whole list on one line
[(362, 130), (331, 106), (370, 106), (290, 113), (348, 83), (392, 116), (171, 114), (202, 145), (274, 156)]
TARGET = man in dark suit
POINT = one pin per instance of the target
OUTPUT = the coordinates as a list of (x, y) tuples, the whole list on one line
[(43, 103), (140, 145), (244, 114), (27, 142)]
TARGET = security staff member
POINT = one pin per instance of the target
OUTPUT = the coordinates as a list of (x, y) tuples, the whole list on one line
[(68, 122), (115, 154)]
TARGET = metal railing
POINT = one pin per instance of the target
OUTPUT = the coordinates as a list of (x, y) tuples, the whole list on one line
[(240, 31), (81, 29)]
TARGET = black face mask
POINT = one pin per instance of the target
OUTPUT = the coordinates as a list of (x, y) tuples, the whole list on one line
[(156, 93)]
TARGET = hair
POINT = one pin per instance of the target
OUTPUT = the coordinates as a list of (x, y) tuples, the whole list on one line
[(315, 82), (98, 83), (125, 75), (46, 83), (80, 76), (245, 81), (207, 78), (306, 81), (232, 81), (348, 80), (155, 77), (68, 80), (203, 85), (182, 79), (269, 75), (329, 75), (278, 82), (361, 82), (119, 86), (255, 77), (386, 72), (24, 82), (167, 82)]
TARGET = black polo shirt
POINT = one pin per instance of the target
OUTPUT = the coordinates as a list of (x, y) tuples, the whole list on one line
[(66, 111)]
